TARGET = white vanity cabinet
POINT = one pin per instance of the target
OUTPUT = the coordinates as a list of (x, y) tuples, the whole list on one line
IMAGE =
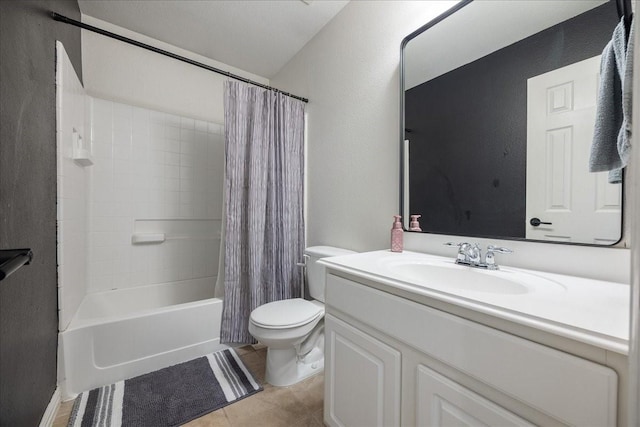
[(392, 361), (442, 402), (363, 374)]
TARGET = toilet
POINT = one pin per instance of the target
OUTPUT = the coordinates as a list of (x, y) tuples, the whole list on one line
[(293, 329)]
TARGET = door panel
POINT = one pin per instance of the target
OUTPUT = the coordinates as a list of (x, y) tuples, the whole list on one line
[(581, 206), (362, 378), (442, 402)]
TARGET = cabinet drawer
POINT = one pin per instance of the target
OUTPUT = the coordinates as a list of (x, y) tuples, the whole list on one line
[(568, 388), (442, 402)]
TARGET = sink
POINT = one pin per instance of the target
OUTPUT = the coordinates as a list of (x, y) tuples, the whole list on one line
[(450, 276)]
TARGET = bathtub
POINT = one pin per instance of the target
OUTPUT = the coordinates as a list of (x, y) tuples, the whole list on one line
[(123, 333)]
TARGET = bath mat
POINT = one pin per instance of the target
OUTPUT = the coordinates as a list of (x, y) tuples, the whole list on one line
[(169, 396)]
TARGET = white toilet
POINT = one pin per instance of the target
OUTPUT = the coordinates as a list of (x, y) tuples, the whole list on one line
[(293, 329)]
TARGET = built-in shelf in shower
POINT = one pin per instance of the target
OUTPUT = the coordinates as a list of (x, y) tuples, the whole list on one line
[(160, 230), (81, 149), (147, 238)]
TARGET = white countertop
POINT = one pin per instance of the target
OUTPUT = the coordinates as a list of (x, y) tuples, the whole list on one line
[(595, 312)]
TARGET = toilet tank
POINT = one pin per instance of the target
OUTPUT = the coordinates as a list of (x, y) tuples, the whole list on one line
[(315, 271)]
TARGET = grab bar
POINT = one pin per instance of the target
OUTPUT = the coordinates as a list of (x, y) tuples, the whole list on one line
[(13, 259)]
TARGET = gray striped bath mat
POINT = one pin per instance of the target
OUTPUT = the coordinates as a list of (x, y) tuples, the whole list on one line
[(168, 397)]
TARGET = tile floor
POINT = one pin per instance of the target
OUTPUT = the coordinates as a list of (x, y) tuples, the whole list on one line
[(299, 405)]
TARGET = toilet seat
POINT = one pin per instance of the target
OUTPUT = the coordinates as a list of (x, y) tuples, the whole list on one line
[(289, 313)]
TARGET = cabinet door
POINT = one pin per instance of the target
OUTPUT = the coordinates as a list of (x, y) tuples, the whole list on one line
[(362, 378), (442, 402), (569, 389)]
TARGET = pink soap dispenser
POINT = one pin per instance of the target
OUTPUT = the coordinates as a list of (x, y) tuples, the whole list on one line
[(396, 234), (414, 225)]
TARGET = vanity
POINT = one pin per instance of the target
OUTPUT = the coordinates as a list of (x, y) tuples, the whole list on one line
[(415, 339), (498, 106)]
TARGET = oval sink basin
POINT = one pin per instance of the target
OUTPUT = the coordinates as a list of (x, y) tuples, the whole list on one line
[(452, 276)]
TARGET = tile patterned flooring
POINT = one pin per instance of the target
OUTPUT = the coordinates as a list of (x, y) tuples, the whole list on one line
[(299, 405)]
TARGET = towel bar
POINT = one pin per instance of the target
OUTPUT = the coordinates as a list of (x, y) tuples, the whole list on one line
[(13, 259)]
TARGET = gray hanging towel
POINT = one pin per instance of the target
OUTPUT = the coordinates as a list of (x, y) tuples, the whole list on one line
[(611, 147)]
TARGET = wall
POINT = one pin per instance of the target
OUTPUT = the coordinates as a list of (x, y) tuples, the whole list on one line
[(128, 74), (349, 71), (73, 186), (28, 299), (634, 188), (153, 172), (497, 84)]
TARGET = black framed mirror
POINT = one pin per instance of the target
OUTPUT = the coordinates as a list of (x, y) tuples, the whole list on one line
[(498, 106)]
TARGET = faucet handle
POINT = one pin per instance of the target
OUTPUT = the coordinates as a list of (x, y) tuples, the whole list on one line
[(463, 255), (498, 249), (462, 245), (453, 244), (490, 259)]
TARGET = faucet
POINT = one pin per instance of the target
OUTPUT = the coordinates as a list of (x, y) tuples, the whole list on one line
[(467, 254), (475, 254), (471, 255), (489, 258)]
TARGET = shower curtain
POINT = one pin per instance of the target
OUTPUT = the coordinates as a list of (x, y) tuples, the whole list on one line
[(264, 221)]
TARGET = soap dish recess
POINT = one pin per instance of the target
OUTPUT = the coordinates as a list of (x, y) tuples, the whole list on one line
[(81, 154)]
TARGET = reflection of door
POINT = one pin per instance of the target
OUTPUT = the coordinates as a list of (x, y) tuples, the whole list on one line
[(581, 206)]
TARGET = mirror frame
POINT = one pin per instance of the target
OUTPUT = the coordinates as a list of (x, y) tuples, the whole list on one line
[(405, 215)]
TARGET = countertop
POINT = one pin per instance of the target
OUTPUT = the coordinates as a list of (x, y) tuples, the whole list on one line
[(595, 312)]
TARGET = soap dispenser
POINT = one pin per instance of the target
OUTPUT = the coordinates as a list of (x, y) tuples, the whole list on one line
[(414, 225), (396, 234)]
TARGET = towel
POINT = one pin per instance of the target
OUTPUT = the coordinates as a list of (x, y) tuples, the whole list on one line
[(611, 147)]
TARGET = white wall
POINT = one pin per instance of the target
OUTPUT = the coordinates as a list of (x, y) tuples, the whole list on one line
[(72, 185), (634, 345), (121, 72), (138, 80), (349, 71), (153, 173)]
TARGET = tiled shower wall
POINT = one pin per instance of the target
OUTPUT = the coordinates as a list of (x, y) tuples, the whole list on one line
[(72, 185), (153, 172)]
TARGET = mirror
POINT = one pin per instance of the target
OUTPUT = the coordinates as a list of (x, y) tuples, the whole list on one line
[(498, 108)]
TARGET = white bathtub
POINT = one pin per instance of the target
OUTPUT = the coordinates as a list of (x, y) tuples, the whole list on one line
[(123, 333)]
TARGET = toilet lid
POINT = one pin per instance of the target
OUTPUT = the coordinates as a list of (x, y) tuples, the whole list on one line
[(287, 313)]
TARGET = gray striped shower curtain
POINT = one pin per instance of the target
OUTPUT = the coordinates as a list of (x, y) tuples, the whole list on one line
[(264, 223)]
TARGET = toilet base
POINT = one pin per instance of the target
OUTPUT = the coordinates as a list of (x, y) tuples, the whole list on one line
[(284, 368)]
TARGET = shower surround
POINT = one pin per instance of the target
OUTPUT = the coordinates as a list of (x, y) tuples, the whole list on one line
[(152, 174)]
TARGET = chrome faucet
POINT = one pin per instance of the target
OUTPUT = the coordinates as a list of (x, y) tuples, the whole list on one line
[(490, 259), (471, 255), (475, 254)]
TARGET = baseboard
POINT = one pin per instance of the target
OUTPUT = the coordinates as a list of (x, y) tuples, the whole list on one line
[(50, 414)]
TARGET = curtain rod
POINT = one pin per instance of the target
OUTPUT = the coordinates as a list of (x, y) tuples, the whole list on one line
[(66, 20)]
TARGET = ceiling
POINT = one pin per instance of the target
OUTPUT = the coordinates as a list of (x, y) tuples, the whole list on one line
[(258, 36)]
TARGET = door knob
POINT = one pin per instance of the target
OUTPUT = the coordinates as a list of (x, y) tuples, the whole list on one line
[(536, 222)]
